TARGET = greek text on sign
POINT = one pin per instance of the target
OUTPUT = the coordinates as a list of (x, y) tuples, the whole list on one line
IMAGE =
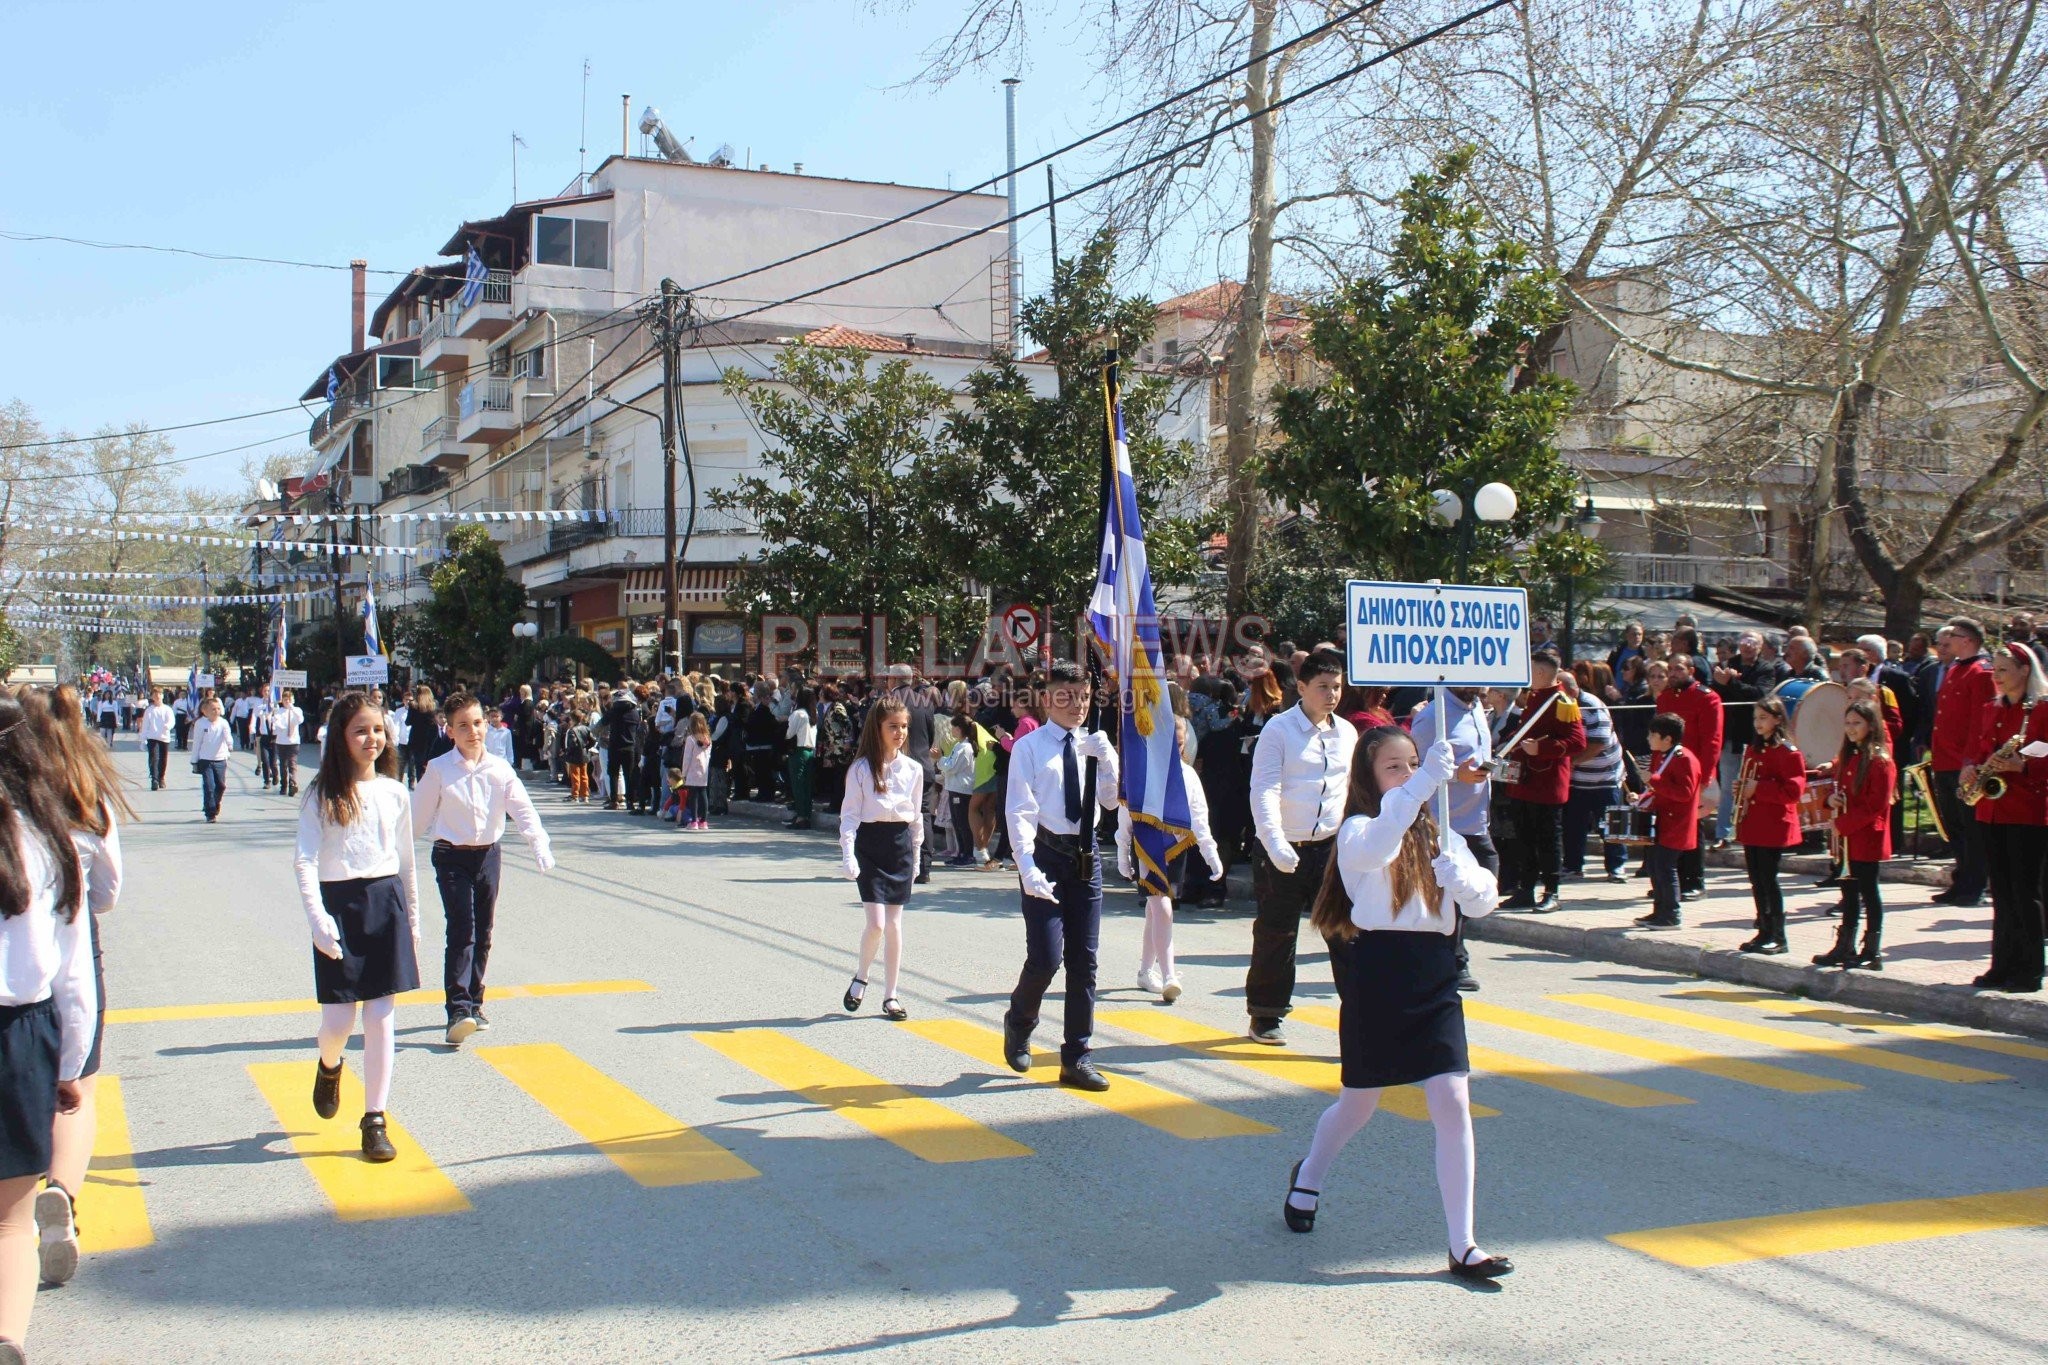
[(367, 668), (1436, 634)]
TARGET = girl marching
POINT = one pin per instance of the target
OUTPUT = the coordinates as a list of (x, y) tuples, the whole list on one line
[(1394, 891), (355, 870), (1156, 972), (2010, 822), (1864, 779), (881, 826), (1767, 801)]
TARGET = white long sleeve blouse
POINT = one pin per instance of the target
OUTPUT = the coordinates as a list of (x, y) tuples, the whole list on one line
[(1198, 819), (377, 843), (99, 856), (44, 957), (901, 800), (211, 740), (1366, 848)]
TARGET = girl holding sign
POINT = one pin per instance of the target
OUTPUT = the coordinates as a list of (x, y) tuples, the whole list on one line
[(1394, 893)]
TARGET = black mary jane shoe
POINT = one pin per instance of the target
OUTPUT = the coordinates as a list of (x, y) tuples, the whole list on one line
[(1299, 1220), (892, 1008), (376, 1142), (852, 998), (326, 1090), (1486, 1268)]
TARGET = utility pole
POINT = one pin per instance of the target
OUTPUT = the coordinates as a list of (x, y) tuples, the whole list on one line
[(334, 564), (668, 335)]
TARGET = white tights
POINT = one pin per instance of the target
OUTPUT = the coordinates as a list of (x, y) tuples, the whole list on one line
[(1158, 948), (1450, 1110), (884, 931), (379, 1044)]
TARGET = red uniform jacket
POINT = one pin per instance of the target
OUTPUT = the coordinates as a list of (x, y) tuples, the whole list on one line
[(1894, 723), (1675, 796), (1866, 822), (1547, 777), (1964, 693), (2026, 792), (1700, 709), (1772, 820)]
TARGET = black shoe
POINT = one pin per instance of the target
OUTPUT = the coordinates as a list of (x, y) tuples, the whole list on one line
[(1837, 956), (2031, 986), (1989, 981), (1869, 960), (1016, 1047), (1617, 876), (1519, 903), (481, 1022), (376, 1142), (1657, 921), (1299, 1220), (892, 1008), (1754, 945), (1697, 893), (1466, 981), (1490, 1268), (796, 824), (1549, 905), (326, 1090), (853, 997), (1080, 1074), (921, 878), (1267, 1031), (1776, 948)]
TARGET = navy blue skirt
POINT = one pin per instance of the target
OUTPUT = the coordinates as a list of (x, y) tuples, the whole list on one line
[(882, 848), (1401, 1020), (30, 1038), (376, 942)]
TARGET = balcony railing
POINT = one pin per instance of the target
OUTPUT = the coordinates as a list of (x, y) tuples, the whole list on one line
[(439, 430), (497, 288), (643, 522), (486, 395), (438, 326), (1707, 571), (345, 405)]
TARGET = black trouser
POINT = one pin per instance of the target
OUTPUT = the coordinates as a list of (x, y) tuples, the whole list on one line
[(1692, 868), (1965, 838), (288, 769), (181, 729), (1488, 857), (1762, 865), (761, 772), (963, 828), (159, 762), (2014, 856), (1283, 898), (1663, 880), (1539, 841), (266, 758), (468, 878), (650, 780), (1859, 894), (1064, 931), (1585, 814), (619, 779)]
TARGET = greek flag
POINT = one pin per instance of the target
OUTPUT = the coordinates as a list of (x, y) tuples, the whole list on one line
[(277, 661), (1126, 626), (372, 642), (473, 276), (333, 383)]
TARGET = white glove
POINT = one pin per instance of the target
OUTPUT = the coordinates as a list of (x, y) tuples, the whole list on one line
[(1215, 866), (1439, 763), (1446, 870), (850, 869), (546, 861), (1125, 866), (1094, 744), (1286, 860), (327, 936), (1036, 885)]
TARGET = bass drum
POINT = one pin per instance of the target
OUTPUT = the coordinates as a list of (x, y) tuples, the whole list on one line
[(1817, 722)]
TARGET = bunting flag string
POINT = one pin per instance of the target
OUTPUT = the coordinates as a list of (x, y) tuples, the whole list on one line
[(184, 538), (194, 521), (303, 574), (100, 627), (214, 600)]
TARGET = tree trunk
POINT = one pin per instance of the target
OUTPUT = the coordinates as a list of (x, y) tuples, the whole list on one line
[(1902, 607), (1820, 515), (1247, 343)]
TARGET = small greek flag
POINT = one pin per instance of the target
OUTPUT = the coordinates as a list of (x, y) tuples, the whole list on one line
[(372, 643), (333, 383), (473, 276), (277, 661)]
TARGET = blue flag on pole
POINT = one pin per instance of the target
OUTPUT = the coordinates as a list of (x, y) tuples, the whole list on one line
[(1126, 625), (372, 642), (277, 660), (333, 383), (473, 277)]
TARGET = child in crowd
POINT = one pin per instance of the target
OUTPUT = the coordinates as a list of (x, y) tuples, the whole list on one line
[(1674, 794)]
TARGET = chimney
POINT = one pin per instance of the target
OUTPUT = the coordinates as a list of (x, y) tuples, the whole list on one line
[(358, 283)]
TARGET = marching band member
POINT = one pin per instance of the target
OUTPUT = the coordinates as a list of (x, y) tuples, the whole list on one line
[(1865, 778), (1768, 788), (1962, 691), (2009, 823), (1395, 891), (1673, 793), (1538, 799), (1700, 708)]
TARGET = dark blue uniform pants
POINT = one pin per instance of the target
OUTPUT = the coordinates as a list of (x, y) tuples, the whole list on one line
[(1056, 932), (468, 878)]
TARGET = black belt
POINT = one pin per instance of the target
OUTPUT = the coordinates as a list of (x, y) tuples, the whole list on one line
[(464, 848)]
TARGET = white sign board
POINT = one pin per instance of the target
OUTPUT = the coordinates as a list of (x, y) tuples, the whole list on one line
[(1430, 634), (203, 680), (288, 677), (368, 668), (1020, 624)]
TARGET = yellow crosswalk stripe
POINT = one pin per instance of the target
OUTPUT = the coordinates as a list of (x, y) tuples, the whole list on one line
[(1650, 1050), (1584, 1084), (1837, 1049), (408, 1187), (1280, 1063), (111, 1213), (251, 1009), (1859, 1225), (1127, 1095), (923, 1127), (1823, 1014), (648, 1145)]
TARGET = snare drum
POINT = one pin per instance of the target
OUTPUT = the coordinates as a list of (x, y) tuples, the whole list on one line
[(1628, 825), (1815, 811)]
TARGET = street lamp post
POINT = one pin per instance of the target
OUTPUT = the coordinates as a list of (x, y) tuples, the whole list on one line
[(1491, 502), (1589, 524)]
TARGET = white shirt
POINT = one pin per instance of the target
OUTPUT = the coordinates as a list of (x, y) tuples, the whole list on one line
[(498, 742), (157, 722), (901, 801), (802, 730), (665, 716), (211, 739), (241, 708), (1036, 796), (466, 803), (1299, 775), (377, 843), (1198, 819), (285, 724), (99, 857), (1366, 846), (956, 769), (43, 958)]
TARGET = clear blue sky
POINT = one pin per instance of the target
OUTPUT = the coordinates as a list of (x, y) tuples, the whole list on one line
[(321, 133)]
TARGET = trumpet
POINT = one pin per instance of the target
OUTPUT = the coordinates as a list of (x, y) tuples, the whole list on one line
[(1744, 778)]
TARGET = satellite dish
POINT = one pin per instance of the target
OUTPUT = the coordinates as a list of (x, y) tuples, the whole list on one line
[(723, 156), (267, 490)]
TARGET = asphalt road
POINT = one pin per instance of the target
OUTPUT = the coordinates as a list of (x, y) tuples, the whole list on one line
[(694, 1154)]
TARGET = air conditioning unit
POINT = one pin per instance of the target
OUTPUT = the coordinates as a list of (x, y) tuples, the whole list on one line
[(361, 491)]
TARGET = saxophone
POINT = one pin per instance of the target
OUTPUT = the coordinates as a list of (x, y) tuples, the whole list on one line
[(1984, 786)]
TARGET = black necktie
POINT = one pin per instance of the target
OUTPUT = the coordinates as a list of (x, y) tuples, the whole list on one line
[(1070, 780)]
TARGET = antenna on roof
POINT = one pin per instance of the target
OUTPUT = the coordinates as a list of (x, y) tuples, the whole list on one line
[(583, 128)]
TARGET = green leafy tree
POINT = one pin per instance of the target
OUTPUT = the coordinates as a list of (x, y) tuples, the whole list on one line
[(847, 511), (1023, 476), (463, 632), (10, 644), (238, 633), (1423, 389)]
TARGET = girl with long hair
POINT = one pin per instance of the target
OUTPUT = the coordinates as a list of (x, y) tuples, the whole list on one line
[(881, 827), (82, 771), (47, 1001), (2015, 846), (957, 776), (1772, 781), (362, 904), (1393, 895), (695, 770), (1157, 974), (1865, 777)]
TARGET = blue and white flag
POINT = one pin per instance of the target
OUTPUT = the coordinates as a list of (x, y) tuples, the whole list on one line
[(333, 383), (372, 641), (1126, 625), (277, 661), (473, 276)]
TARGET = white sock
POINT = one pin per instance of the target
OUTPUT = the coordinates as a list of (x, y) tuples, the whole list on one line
[(1450, 1110), (337, 1022), (1338, 1125), (892, 949), (379, 1049), (1159, 933)]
